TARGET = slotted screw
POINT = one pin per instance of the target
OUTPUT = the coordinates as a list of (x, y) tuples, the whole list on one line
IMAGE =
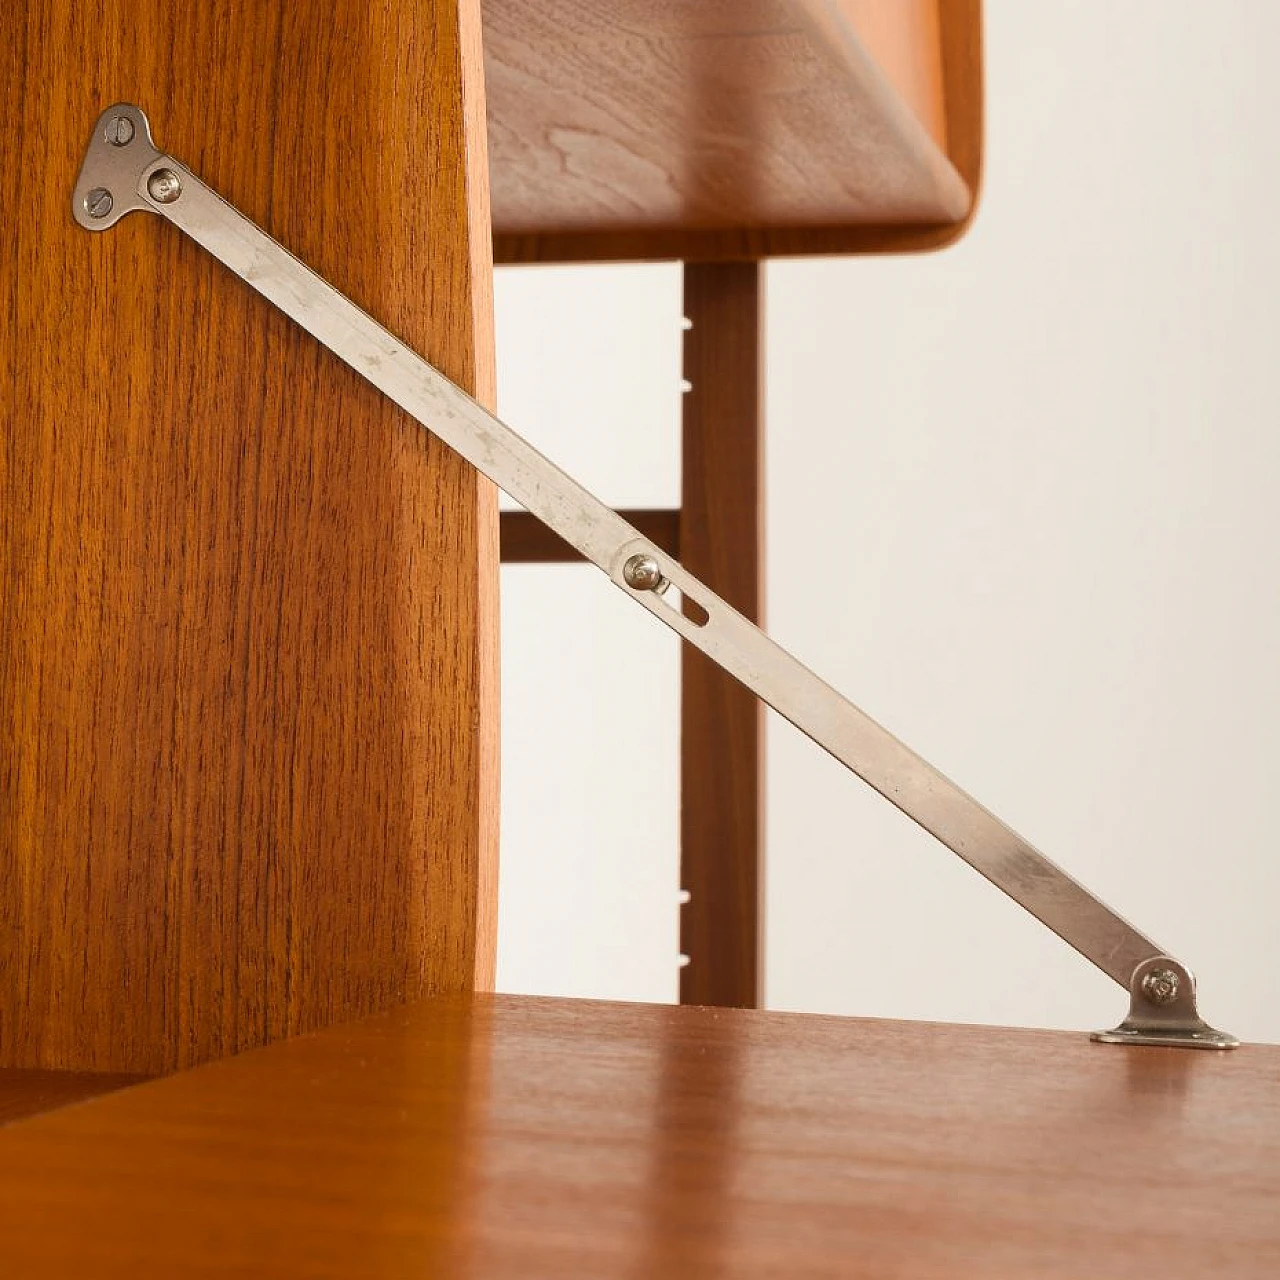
[(98, 203), (119, 131)]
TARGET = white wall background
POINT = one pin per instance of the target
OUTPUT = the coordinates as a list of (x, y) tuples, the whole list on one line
[(1023, 507)]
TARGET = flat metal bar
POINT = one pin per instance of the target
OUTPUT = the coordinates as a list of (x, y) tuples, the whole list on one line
[(602, 536)]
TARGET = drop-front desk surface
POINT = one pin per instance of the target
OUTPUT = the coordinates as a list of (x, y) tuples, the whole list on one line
[(519, 1136)]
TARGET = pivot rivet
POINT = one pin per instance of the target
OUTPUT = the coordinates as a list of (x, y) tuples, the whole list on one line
[(642, 572), (1160, 986), (164, 186)]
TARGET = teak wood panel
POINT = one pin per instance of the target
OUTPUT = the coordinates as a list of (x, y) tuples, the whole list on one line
[(514, 1137), (732, 128), (721, 721), (248, 625)]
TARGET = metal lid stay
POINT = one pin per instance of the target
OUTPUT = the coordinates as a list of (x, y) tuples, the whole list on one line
[(123, 172)]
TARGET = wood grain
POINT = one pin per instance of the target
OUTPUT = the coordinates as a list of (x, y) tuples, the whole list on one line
[(26, 1093), (515, 1137), (721, 722), (248, 630), (730, 129), (526, 540)]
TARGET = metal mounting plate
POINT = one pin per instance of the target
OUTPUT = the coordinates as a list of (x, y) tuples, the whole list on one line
[(1163, 1012), (107, 189)]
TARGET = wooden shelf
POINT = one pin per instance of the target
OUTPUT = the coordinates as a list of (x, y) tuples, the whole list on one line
[(509, 1136), (730, 128)]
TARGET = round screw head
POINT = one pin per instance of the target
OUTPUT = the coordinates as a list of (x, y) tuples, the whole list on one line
[(98, 203), (1160, 986), (164, 186), (119, 131), (642, 573)]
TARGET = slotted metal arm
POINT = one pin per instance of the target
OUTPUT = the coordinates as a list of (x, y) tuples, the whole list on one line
[(123, 172)]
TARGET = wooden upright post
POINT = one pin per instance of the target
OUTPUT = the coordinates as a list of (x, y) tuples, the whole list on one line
[(248, 628), (721, 541)]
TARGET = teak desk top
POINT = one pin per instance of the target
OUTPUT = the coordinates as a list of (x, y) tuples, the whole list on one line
[(512, 1136)]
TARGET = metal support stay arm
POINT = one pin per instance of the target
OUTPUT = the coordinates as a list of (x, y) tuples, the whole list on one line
[(123, 172)]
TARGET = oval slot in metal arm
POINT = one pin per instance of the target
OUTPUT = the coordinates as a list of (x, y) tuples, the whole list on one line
[(123, 171)]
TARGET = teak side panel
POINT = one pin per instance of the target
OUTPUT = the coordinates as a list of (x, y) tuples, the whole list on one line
[(247, 609), (515, 1137)]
